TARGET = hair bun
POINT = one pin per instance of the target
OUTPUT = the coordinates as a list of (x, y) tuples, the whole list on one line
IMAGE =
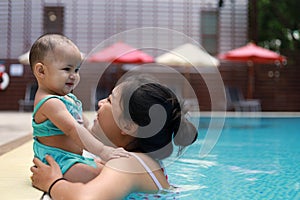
[(186, 134)]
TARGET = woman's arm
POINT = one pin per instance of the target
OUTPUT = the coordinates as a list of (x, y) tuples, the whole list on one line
[(110, 184)]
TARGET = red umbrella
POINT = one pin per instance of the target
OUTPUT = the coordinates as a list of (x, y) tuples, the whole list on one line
[(252, 54), (121, 53)]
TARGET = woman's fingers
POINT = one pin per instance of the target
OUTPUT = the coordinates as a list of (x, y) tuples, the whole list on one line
[(33, 169), (53, 164), (37, 162), (43, 174), (50, 160)]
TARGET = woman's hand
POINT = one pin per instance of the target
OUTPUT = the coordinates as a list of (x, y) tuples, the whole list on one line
[(44, 175)]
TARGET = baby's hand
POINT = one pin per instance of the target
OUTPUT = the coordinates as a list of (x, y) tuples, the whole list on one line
[(112, 153)]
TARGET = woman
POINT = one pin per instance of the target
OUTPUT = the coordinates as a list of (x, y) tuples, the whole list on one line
[(144, 118)]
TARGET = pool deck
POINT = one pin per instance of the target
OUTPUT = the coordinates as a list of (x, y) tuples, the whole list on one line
[(15, 129)]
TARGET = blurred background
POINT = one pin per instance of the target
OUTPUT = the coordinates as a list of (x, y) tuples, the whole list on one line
[(218, 25)]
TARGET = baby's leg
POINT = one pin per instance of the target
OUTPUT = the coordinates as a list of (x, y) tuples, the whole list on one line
[(82, 173)]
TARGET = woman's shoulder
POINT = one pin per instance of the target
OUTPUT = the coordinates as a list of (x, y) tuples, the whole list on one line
[(133, 164), (140, 170), (124, 164)]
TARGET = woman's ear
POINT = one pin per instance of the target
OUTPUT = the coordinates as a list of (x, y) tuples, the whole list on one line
[(39, 70), (130, 129)]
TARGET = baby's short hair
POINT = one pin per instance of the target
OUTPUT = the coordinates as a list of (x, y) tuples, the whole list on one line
[(44, 44)]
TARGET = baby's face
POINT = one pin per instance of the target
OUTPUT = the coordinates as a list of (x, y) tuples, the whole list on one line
[(62, 69)]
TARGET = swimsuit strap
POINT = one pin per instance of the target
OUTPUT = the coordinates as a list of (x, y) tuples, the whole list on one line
[(41, 102), (149, 172)]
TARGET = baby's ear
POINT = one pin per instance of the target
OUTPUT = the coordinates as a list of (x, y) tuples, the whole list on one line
[(39, 69)]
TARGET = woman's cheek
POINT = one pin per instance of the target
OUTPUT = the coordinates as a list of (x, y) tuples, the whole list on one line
[(99, 133)]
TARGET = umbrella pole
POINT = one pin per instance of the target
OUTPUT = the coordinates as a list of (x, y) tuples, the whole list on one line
[(185, 87), (119, 71), (251, 80)]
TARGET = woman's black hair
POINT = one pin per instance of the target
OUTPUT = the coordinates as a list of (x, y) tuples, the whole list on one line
[(176, 129)]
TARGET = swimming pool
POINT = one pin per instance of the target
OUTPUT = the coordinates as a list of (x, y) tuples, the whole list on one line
[(254, 159)]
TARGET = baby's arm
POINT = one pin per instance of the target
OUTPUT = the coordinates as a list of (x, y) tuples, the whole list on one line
[(93, 146), (56, 112), (86, 122)]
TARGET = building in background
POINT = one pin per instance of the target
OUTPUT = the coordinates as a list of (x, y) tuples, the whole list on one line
[(87, 23), (217, 25)]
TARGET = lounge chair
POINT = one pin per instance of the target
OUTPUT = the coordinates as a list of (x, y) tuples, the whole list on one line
[(26, 104), (237, 102)]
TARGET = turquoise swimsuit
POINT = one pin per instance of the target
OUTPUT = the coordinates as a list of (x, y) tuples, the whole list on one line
[(64, 158)]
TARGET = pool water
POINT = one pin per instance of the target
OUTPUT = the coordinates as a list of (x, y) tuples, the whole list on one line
[(254, 158)]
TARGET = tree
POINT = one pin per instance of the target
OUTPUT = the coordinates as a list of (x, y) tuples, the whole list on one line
[(278, 24)]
